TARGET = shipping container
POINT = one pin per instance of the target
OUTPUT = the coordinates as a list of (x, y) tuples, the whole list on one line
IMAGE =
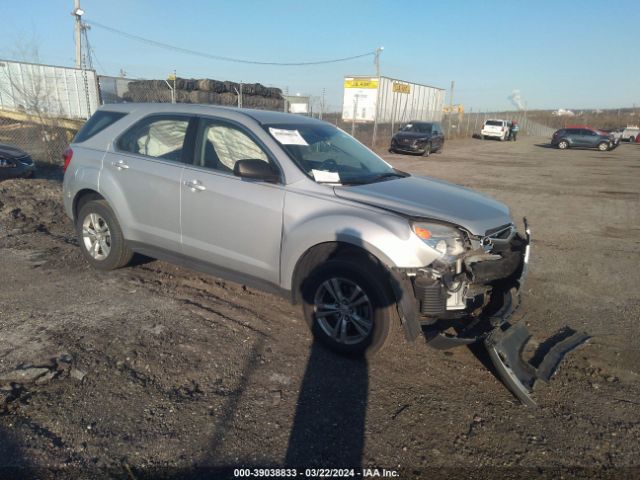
[(48, 90), (390, 100)]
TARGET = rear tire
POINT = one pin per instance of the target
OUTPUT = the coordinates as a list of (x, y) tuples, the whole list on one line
[(100, 236), (632, 139), (563, 144), (348, 306)]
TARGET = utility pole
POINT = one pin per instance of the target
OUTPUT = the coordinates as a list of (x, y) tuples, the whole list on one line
[(77, 13), (321, 104), (453, 84), (375, 116), (239, 93)]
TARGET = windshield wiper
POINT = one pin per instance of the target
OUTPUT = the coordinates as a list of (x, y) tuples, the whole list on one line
[(378, 178)]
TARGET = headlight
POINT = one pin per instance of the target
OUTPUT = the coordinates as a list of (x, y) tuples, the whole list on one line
[(445, 239)]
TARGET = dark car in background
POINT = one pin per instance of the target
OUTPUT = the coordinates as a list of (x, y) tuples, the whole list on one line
[(15, 163), (582, 137), (422, 138)]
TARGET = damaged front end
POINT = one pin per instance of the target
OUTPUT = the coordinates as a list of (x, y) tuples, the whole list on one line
[(470, 298)]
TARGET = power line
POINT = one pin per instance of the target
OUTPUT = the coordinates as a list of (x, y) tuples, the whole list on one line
[(218, 57)]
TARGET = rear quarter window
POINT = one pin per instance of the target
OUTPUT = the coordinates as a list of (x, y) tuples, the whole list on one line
[(98, 122)]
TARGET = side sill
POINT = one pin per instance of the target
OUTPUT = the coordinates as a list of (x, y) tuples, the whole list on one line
[(210, 269)]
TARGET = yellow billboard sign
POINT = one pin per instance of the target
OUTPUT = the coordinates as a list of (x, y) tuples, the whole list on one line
[(458, 108), (360, 83), (401, 88)]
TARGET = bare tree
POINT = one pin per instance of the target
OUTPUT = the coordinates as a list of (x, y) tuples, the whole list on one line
[(40, 130)]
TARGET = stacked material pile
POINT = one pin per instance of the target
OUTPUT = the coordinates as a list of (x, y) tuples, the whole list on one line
[(215, 92)]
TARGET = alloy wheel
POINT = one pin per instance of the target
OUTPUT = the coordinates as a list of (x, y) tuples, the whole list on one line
[(343, 311), (96, 236)]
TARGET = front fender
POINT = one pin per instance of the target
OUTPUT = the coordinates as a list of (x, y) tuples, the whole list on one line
[(386, 236)]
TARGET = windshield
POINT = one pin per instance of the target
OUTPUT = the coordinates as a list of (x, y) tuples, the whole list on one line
[(417, 128), (328, 155)]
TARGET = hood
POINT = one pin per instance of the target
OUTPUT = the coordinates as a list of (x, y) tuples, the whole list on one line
[(426, 197), (412, 135), (8, 152)]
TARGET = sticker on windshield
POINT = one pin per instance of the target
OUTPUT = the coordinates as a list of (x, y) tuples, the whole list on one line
[(288, 137), (325, 177)]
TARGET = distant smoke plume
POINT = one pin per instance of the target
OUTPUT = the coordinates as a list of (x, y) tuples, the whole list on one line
[(516, 99)]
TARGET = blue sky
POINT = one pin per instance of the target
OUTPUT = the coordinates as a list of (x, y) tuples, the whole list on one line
[(559, 54)]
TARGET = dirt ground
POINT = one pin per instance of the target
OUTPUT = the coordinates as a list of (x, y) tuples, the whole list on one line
[(154, 370)]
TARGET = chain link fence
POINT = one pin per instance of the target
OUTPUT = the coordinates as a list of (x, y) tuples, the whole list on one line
[(462, 125), (41, 109)]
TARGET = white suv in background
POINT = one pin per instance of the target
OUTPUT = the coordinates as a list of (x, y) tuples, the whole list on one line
[(495, 128), (630, 133)]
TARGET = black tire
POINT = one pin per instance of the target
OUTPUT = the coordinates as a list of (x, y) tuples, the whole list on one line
[(427, 150), (603, 146), (563, 144), (484, 137), (632, 139), (119, 253), (370, 278)]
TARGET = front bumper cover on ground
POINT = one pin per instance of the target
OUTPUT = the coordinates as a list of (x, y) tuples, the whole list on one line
[(505, 347)]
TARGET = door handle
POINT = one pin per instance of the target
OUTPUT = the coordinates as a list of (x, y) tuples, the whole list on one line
[(120, 165), (194, 185)]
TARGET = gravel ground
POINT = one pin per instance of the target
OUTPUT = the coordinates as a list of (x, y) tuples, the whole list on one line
[(154, 370)]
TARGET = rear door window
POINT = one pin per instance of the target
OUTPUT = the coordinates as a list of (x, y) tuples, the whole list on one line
[(161, 136), (98, 122)]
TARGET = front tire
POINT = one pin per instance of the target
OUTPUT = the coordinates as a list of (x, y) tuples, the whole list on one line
[(632, 139), (603, 146), (427, 150), (100, 237), (348, 306)]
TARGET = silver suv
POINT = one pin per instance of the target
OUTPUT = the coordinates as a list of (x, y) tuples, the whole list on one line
[(295, 206)]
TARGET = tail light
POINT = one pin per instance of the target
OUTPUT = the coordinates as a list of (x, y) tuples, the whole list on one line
[(66, 157)]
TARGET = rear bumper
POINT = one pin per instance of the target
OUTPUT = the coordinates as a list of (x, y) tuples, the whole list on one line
[(485, 133)]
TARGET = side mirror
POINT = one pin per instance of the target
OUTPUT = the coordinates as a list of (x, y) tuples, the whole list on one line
[(256, 170)]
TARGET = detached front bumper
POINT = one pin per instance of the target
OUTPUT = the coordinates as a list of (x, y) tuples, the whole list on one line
[(496, 280)]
